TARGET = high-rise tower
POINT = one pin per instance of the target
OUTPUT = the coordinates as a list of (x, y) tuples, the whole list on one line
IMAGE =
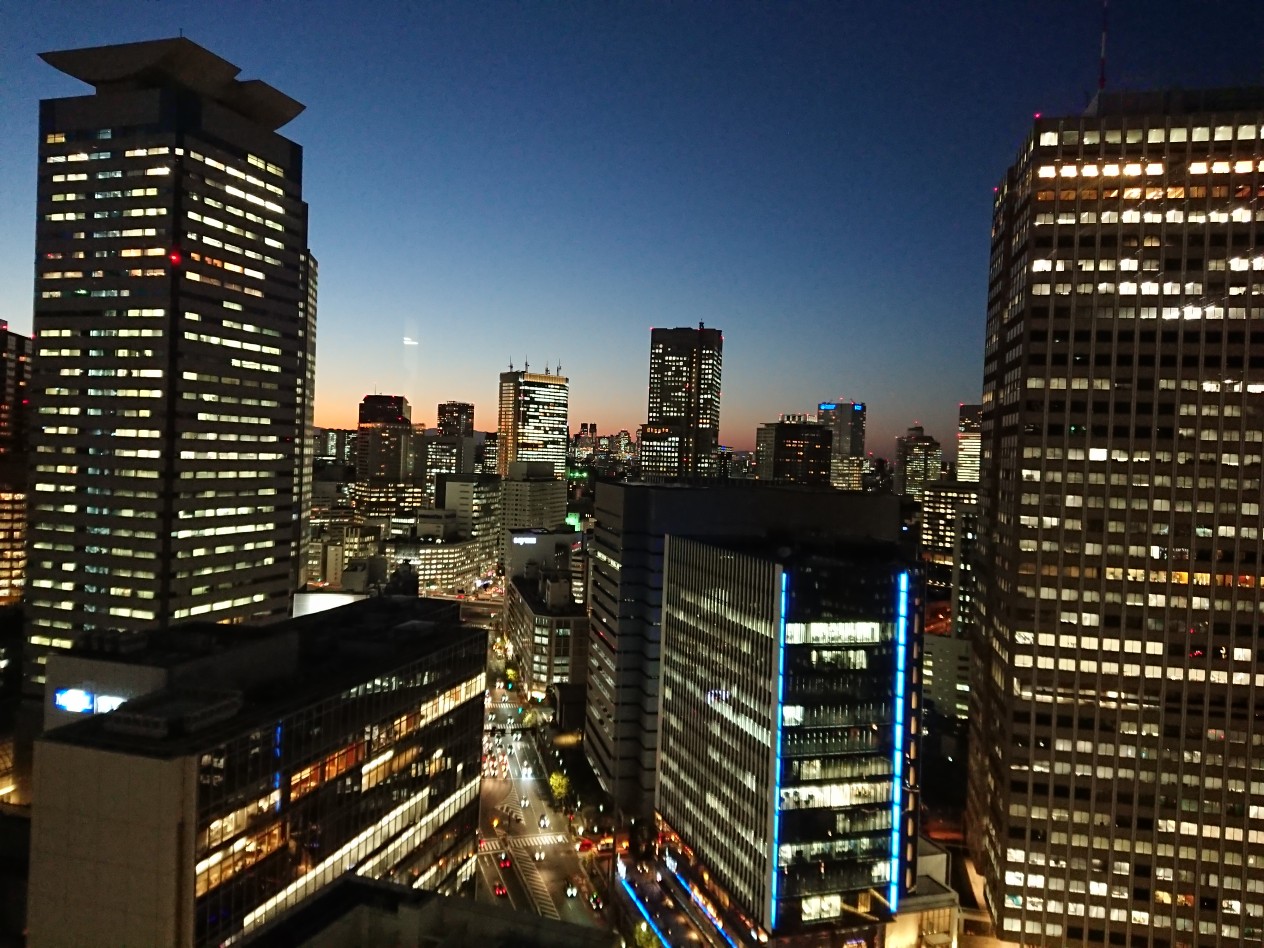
[(969, 422), (682, 431), (847, 451), (15, 370), (918, 459), (1115, 743), (456, 419), (532, 424), (174, 308), (385, 456), (789, 721)]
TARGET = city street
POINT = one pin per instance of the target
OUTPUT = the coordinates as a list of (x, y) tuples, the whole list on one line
[(513, 773)]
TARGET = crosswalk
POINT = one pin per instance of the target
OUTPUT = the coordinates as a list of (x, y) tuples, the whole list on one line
[(528, 869), (537, 840)]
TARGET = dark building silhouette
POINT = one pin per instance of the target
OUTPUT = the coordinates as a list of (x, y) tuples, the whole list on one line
[(681, 436)]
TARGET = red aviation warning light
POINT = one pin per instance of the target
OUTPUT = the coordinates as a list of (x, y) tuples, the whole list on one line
[(175, 257)]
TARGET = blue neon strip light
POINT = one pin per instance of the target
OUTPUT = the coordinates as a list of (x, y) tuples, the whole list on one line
[(776, 799), (644, 914), (698, 902), (897, 761)]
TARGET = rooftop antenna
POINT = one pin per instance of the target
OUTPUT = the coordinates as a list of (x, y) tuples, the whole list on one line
[(1101, 65), (511, 365), (559, 366), (526, 366)]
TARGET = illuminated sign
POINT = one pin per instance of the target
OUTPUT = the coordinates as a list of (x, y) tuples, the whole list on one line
[(524, 541), (79, 701), (826, 406), (74, 700)]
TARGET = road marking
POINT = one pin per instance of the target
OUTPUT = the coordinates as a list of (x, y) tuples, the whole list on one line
[(539, 839), (539, 892)]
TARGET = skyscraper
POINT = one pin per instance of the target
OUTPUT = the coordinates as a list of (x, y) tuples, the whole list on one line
[(793, 452), (682, 429), (621, 729), (969, 431), (918, 459), (846, 420), (456, 419), (788, 782), (1115, 741), (532, 423), (15, 369), (385, 460), (942, 502), (174, 308)]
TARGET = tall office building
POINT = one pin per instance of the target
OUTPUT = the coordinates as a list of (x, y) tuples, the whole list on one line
[(794, 452), (788, 787), (682, 429), (942, 501), (175, 313), (969, 433), (621, 729), (456, 419), (846, 420), (386, 457), (384, 440), (918, 462), (532, 424), (487, 455), (476, 500), (15, 368), (532, 497), (1115, 744), (336, 446)]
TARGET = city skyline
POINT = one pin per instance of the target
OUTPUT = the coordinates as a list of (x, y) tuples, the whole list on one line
[(561, 180)]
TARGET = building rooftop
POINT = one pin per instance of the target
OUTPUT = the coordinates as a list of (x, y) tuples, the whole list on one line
[(176, 62), (1176, 102), (356, 910), (334, 650), (529, 590)]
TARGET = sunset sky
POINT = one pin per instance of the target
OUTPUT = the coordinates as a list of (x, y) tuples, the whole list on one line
[(511, 181)]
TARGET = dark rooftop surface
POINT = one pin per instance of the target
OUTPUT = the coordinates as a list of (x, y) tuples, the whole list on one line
[(336, 649), (179, 62), (1176, 102)]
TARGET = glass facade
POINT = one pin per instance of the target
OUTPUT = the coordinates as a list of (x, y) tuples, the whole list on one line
[(382, 778), (790, 710)]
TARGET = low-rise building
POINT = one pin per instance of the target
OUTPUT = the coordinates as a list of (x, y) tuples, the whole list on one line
[(344, 742), (548, 631)]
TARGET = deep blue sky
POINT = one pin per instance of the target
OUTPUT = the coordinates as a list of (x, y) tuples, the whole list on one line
[(552, 179)]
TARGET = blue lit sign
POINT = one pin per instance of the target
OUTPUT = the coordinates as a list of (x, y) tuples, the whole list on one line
[(776, 794), (826, 406), (897, 762), (858, 407), (74, 700), (80, 701)]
